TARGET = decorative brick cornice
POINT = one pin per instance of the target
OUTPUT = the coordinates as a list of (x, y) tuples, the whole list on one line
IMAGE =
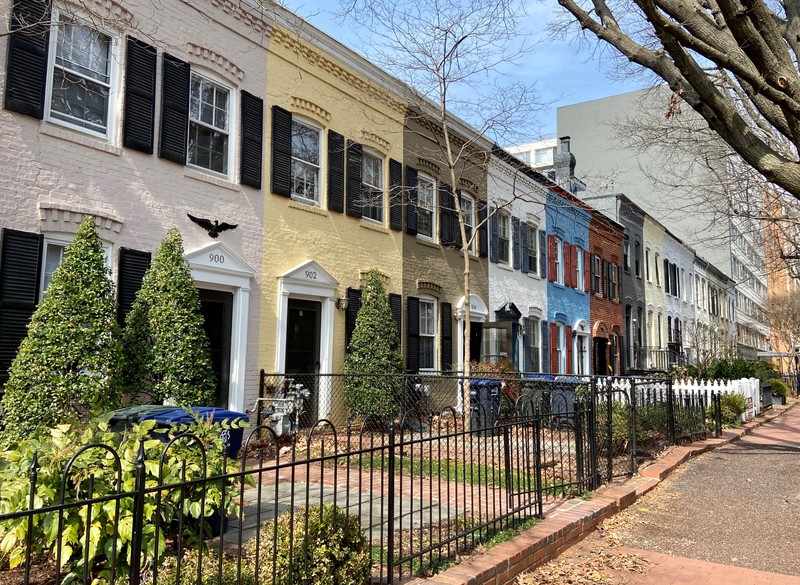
[(430, 287), (217, 62), (110, 12), (362, 276), (374, 140), (57, 216), (468, 185), (316, 58), (423, 163), (257, 23), (309, 107)]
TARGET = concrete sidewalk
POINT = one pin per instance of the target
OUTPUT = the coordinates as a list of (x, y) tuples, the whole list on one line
[(572, 520)]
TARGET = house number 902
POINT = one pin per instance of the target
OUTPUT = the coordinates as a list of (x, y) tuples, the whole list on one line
[(310, 274), (217, 258)]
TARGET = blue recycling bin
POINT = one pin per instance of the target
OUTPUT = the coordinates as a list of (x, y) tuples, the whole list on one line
[(178, 416)]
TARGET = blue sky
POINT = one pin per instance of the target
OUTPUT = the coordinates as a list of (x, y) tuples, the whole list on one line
[(565, 72)]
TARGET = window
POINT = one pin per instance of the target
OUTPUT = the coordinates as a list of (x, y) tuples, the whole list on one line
[(533, 249), (305, 161), (597, 279), (372, 187), (666, 276), (81, 77), (579, 268), (53, 255), (637, 260), (561, 354), (544, 156), (427, 334), (559, 261), (626, 256), (659, 335), (503, 237), (647, 264), (612, 281), (426, 207), (658, 275), (534, 346), (468, 212), (209, 115)]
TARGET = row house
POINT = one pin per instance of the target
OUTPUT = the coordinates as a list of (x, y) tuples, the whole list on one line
[(678, 282), (139, 121), (631, 216)]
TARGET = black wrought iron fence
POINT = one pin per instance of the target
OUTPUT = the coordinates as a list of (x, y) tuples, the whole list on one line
[(382, 497)]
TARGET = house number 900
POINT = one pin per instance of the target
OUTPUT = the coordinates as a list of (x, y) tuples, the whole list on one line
[(310, 274), (218, 258)]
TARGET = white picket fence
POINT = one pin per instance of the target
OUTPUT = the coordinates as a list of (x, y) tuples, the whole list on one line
[(750, 387)]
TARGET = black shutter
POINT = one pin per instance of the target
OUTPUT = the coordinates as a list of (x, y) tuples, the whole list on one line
[(354, 200), (140, 96), (445, 214), (524, 250), (446, 349), (252, 140), (132, 266), (353, 305), (516, 246), (20, 271), (542, 254), (545, 365), (396, 306), (335, 172), (483, 240), (526, 343), (395, 194), (28, 42), (411, 202), (455, 228), (412, 327), (176, 76), (281, 151), (494, 236)]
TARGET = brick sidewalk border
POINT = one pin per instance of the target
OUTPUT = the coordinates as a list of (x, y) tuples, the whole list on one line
[(570, 521)]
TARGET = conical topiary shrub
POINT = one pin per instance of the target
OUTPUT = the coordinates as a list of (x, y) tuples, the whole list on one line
[(165, 344), (69, 364), (374, 357)]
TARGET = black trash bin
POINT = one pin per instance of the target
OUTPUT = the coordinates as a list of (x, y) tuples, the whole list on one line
[(766, 396), (484, 395)]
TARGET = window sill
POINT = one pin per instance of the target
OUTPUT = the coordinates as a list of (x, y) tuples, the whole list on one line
[(308, 208), (211, 180), (534, 276), (428, 243), (77, 138), (374, 226), (507, 267)]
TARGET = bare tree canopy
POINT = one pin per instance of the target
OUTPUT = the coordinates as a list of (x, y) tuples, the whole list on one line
[(735, 62)]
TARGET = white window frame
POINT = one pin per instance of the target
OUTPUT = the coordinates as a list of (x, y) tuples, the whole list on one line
[(425, 208), (230, 129), (469, 218), (559, 260), (429, 333), (534, 342), (318, 166), (113, 77), (580, 367), (533, 249), (62, 241), (561, 348), (503, 219), (579, 269), (648, 276), (372, 192)]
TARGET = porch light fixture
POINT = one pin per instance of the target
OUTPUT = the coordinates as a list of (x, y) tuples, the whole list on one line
[(342, 302)]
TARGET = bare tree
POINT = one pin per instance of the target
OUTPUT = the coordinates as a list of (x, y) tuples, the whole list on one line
[(733, 62), (453, 53)]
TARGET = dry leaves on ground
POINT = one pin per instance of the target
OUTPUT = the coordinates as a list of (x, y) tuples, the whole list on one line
[(595, 567)]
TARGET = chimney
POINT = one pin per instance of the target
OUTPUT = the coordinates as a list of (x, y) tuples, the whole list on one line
[(564, 163)]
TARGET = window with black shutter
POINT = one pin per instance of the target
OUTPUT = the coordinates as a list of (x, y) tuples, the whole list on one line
[(516, 238), (336, 156), (412, 329), (494, 239), (140, 96), (28, 44), (353, 306), (445, 215), (446, 353), (252, 140), (281, 152), (483, 239), (354, 201), (395, 194), (542, 254), (411, 201), (176, 75), (20, 273), (396, 306)]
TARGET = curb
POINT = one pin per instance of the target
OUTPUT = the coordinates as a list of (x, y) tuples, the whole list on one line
[(570, 521)]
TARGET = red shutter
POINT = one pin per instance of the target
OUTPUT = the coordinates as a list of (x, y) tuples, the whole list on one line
[(587, 272), (553, 349), (551, 258), (567, 260), (575, 252), (568, 343)]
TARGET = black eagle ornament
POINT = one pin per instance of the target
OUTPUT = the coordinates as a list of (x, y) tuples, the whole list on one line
[(214, 228)]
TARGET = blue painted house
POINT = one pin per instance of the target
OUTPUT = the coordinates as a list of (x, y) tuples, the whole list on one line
[(568, 329)]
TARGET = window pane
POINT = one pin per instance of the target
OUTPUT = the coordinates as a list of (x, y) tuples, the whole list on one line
[(425, 207), (305, 161)]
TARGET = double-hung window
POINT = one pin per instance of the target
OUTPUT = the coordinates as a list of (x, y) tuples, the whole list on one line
[(597, 278), (503, 237), (53, 255), (578, 268), (81, 77), (426, 207), (612, 281), (372, 187), (559, 252), (209, 119), (468, 213), (427, 334), (561, 348), (533, 249), (534, 345), (305, 162)]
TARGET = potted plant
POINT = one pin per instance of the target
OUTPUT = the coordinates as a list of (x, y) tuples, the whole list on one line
[(779, 392)]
